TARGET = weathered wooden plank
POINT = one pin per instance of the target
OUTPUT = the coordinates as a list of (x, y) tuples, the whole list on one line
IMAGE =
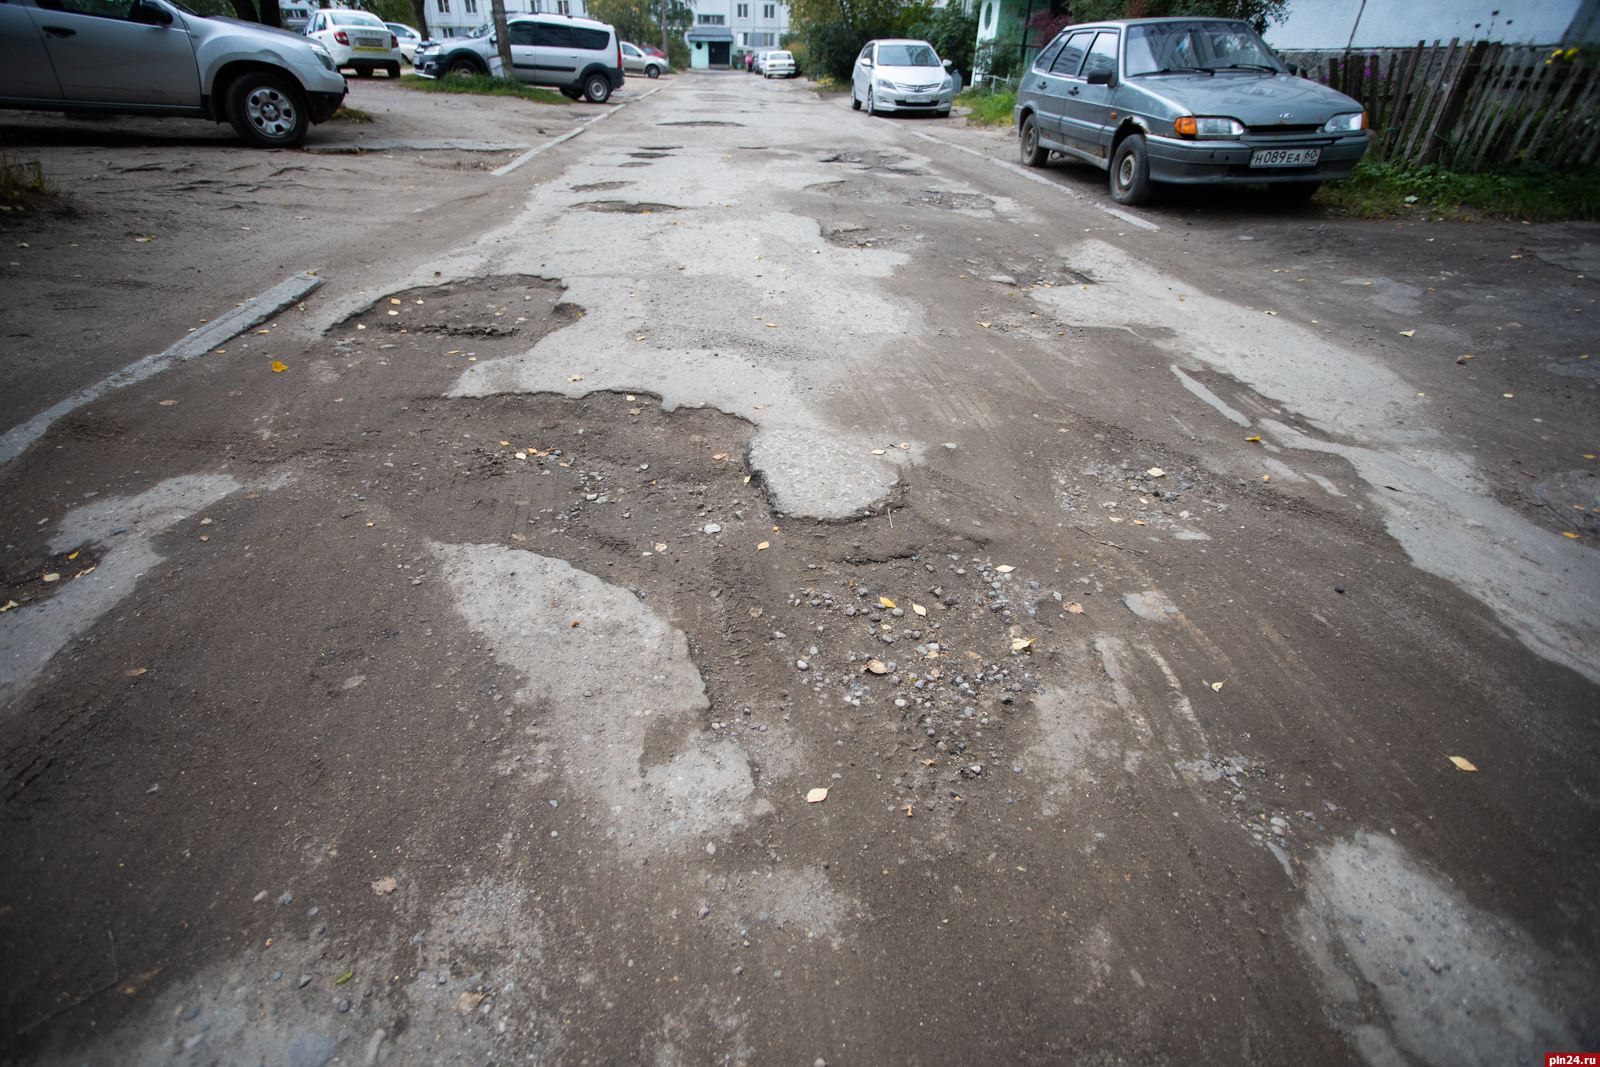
[(1537, 95), (1383, 99), (1395, 126), (1579, 124), (1519, 83), (1570, 79), (1429, 108), (1450, 111), (1477, 107)]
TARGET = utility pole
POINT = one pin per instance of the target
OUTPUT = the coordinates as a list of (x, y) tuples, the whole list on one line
[(502, 37)]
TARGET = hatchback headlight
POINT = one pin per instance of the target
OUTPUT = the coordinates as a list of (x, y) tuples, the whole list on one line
[(1346, 123), (324, 57), (1208, 127)]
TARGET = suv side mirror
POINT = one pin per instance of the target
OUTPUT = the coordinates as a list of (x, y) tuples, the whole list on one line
[(1099, 77), (150, 14)]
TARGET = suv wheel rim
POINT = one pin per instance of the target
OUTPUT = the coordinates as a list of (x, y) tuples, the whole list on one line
[(270, 112), (1125, 170), (1030, 138)]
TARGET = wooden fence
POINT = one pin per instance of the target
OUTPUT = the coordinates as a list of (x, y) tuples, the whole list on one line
[(1469, 106)]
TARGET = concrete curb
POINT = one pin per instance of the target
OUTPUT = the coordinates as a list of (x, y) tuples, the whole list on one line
[(257, 309)]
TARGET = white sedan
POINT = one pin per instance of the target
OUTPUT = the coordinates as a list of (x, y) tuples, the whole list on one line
[(357, 39), (777, 65)]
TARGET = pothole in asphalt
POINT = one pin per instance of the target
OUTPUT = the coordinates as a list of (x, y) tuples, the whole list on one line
[(599, 187), (700, 122), (952, 201), (635, 163), (1573, 499), (872, 160), (660, 147), (622, 207), (479, 308)]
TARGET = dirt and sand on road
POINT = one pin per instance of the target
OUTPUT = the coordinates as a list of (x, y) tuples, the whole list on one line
[(447, 668)]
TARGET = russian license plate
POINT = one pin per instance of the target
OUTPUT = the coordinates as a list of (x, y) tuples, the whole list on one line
[(1285, 157), (920, 99)]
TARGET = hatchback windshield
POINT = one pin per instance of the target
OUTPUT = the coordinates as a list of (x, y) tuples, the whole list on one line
[(354, 18), (906, 55), (1191, 46)]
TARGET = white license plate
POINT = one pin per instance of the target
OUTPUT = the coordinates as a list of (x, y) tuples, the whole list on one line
[(918, 99), (1285, 157)]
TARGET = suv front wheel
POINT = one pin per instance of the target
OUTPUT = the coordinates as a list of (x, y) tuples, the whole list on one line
[(597, 88), (267, 111)]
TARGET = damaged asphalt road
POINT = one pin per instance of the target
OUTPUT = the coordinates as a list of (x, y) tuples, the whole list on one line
[(440, 670)]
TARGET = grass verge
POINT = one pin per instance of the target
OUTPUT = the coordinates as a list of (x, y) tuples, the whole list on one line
[(481, 85), (988, 109), (351, 114), (1381, 190), (21, 184)]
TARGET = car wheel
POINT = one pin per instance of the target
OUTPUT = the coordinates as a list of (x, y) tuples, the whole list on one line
[(872, 105), (464, 67), (393, 69), (1032, 154), (267, 111), (597, 88), (855, 105), (1130, 172), (1289, 193), (652, 71)]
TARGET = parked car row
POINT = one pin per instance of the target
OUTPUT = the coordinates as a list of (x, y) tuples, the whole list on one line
[(581, 58)]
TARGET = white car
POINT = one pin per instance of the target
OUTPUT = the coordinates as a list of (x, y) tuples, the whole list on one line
[(579, 57), (777, 65), (406, 37), (637, 60), (356, 39), (901, 75)]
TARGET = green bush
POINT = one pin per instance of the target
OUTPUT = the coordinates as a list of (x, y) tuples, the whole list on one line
[(988, 109), (953, 33), (1380, 189)]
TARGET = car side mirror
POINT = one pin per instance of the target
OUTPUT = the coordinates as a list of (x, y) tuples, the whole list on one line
[(1100, 77), (150, 14), (948, 64)]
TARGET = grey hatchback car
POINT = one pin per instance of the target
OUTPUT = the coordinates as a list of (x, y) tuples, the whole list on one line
[(1184, 100)]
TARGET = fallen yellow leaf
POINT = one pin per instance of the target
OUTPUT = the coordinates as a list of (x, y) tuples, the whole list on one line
[(816, 796), (1569, 533), (1252, 438), (1216, 687), (886, 602), (919, 609), (1021, 644), (720, 455), (1138, 522), (1407, 333), (661, 548), (505, 443), (392, 300), (278, 366), (763, 545), (1462, 764), (1005, 569), (877, 451), (371, 524), (52, 577), (166, 403), (1156, 472), (985, 325), (73, 556)]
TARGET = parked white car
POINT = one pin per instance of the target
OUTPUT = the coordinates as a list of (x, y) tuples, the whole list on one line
[(777, 65), (358, 40), (151, 58), (406, 37), (637, 60), (901, 75), (579, 57)]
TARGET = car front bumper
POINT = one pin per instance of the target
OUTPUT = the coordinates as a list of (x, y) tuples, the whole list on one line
[(1228, 162), (902, 101), (323, 105), (431, 64)]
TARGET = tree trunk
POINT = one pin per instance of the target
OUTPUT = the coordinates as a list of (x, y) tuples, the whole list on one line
[(270, 15), (420, 9), (245, 11), (666, 52), (502, 37)]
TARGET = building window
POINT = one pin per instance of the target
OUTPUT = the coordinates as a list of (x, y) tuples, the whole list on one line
[(769, 11), (709, 20), (470, 6), (744, 10), (744, 40), (444, 7)]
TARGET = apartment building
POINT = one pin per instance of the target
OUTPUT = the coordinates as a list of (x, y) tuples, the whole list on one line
[(458, 18), (723, 28)]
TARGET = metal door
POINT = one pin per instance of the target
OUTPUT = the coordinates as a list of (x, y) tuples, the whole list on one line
[(1084, 116), (101, 54), (26, 73), (1058, 82)]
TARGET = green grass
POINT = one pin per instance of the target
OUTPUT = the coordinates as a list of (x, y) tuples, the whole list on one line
[(988, 109), (23, 183), (1380, 190), (481, 85), (351, 114)]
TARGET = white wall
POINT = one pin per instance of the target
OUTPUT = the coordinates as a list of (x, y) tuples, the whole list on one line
[(462, 18)]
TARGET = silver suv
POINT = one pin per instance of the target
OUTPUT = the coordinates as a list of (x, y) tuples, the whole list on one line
[(156, 57), (580, 57)]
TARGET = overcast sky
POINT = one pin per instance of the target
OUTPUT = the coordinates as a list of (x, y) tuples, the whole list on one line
[(1394, 23)]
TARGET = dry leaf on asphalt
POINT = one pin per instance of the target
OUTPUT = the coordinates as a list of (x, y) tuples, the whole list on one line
[(1216, 687), (661, 548), (278, 366), (876, 666), (1075, 608), (1003, 569), (1407, 333), (919, 609), (763, 545), (1462, 764), (1020, 644), (755, 613), (518, 537), (575, 378), (1138, 522), (635, 411), (134, 672), (930, 763), (877, 451), (720, 455), (167, 403), (467, 1002), (383, 886), (816, 796), (1252, 438), (52, 577), (10, 604), (1156, 472), (886, 602)]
